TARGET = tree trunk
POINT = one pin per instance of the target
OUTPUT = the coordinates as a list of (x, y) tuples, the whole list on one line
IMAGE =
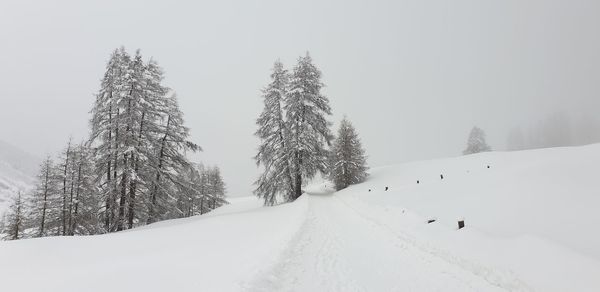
[(74, 216), (133, 184), (46, 181), (108, 206), (152, 216), (64, 206), (298, 189), (121, 218), (69, 231)]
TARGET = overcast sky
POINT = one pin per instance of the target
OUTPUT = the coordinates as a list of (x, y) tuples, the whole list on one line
[(413, 76)]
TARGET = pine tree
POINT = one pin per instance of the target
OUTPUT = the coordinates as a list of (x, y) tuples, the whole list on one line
[(306, 111), (476, 142), (347, 163), (273, 151)]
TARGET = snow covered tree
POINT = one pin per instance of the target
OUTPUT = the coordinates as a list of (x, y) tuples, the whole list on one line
[(274, 136), (84, 205), (104, 135), (15, 218), (65, 174), (306, 111), (218, 187), (44, 200), (139, 143), (347, 164), (201, 189), (476, 142), (169, 160)]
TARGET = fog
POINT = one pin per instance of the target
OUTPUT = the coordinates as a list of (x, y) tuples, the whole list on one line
[(413, 76)]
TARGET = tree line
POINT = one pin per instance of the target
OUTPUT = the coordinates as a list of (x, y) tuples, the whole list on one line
[(131, 171), (296, 142)]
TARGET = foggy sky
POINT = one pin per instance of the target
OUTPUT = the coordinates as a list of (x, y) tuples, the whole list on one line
[(413, 76)]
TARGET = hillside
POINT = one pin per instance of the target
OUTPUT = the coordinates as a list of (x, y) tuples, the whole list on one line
[(530, 226), (17, 172)]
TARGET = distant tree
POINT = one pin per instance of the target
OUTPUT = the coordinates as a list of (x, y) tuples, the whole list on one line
[(476, 142), (218, 186), (307, 110), (201, 190), (14, 220), (516, 140), (347, 162)]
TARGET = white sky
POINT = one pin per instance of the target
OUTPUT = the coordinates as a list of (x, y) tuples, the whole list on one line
[(413, 76)]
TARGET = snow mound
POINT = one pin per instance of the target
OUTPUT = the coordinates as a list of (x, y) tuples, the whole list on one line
[(532, 214)]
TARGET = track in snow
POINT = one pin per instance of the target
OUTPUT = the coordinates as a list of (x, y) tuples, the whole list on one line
[(339, 250)]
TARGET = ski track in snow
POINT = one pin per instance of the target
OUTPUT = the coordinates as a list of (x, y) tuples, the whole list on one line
[(340, 249)]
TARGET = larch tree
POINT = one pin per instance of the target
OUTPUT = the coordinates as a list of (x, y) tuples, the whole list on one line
[(307, 110), (65, 174), (104, 136), (273, 133), (476, 142), (44, 198), (15, 219), (139, 141), (85, 204), (347, 164)]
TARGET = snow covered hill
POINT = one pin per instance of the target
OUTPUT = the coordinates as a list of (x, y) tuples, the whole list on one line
[(17, 172), (531, 225)]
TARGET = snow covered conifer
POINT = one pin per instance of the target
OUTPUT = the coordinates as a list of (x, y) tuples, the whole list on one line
[(138, 141), (476, 142), (306, 111), (44, 198), (347, 164), (273, 152), (15, 218)]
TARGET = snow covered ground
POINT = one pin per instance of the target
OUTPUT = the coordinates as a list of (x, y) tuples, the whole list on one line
[(531, 225)]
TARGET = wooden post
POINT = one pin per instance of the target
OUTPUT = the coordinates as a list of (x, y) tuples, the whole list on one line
[(461, 223)]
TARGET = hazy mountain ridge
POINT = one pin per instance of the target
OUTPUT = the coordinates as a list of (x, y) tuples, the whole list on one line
[(17, 172)]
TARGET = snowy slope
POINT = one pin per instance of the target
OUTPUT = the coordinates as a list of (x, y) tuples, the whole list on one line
[(531, 226), (17, 172)]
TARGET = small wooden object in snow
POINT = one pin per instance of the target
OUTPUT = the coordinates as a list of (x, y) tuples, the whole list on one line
[(430, 221), (461, 223)]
